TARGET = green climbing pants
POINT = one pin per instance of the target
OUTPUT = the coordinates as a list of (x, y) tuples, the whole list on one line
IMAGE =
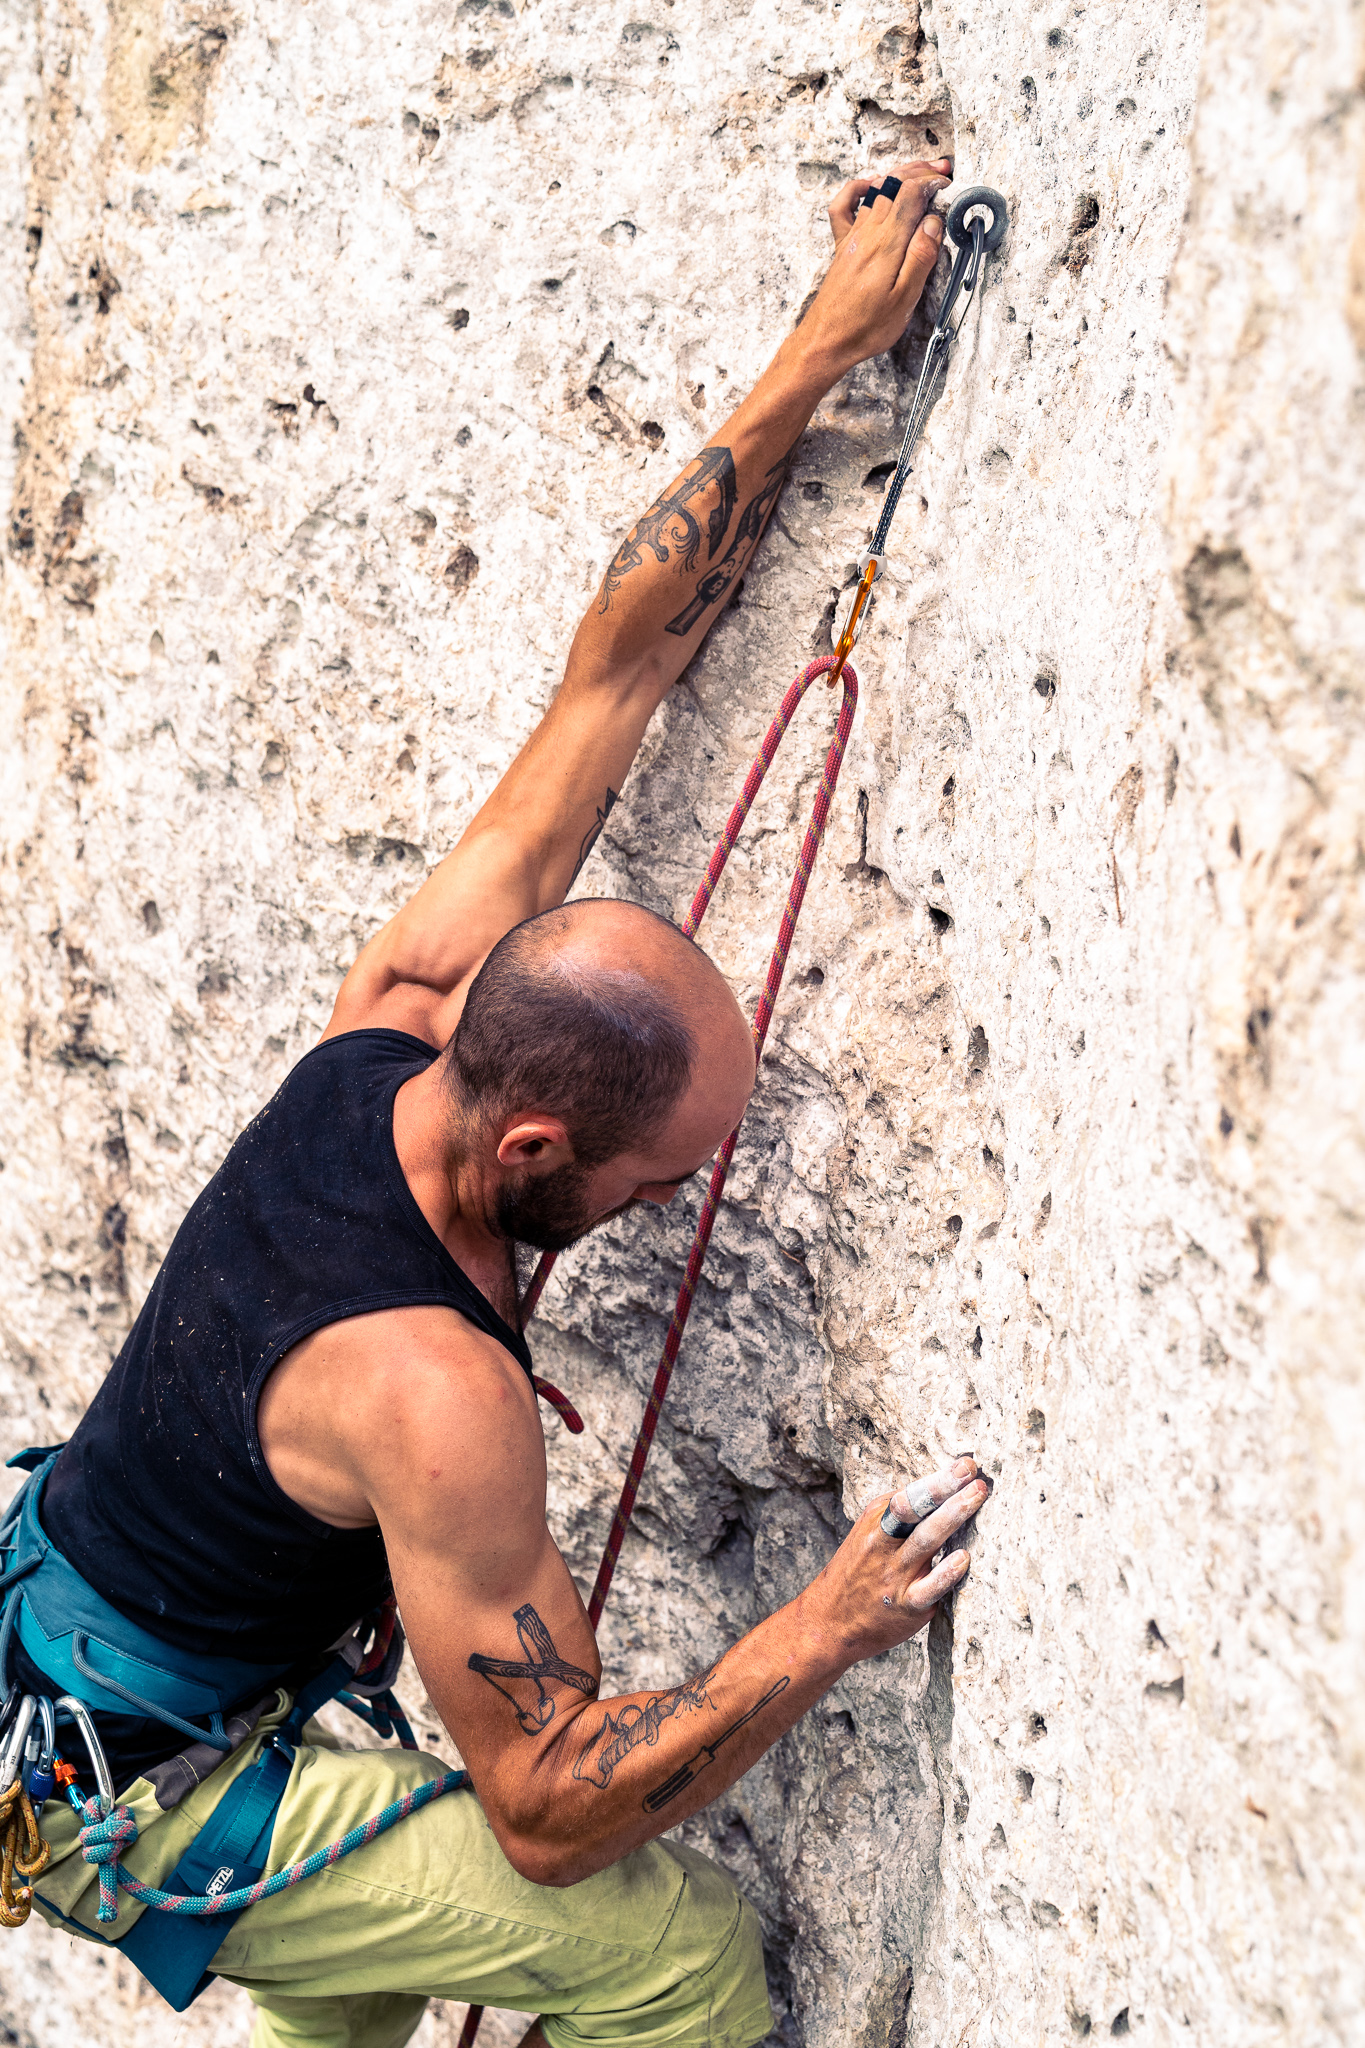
[(658, 1949)]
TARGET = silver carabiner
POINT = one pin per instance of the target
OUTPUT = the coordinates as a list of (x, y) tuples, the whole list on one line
[(40, 1755), (11, 1755), (81, 1715)]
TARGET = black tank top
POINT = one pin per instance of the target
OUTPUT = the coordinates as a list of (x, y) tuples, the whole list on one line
[(162, 1500)]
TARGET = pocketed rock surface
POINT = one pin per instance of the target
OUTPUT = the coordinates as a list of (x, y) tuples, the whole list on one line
[(341, 345)]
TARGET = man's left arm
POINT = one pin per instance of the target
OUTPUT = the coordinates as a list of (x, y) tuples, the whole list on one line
[(663, 590)]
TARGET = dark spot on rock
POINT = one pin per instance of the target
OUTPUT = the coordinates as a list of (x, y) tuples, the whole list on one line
[(458, 318), (461, 569), (151, 916)]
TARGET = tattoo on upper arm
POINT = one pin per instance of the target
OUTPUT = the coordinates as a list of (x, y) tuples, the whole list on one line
[(542, 1666), (668, 526), (593, 834), (693, 1768), (713, 586), (620, 1733)]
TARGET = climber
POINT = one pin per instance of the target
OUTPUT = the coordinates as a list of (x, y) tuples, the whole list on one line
[(328, 1388)]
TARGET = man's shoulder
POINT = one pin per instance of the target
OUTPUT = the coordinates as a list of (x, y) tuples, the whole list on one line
[(384, 1408), (448, 1424), (431, 1355)]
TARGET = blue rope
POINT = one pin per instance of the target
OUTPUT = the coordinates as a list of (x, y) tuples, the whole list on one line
[(105, 1836)]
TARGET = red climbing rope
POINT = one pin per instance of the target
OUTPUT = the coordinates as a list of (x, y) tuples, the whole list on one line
[(815, 832), (796, 895)]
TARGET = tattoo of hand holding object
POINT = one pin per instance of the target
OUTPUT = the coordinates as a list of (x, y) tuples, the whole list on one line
[(668, 526), (620, 1733)]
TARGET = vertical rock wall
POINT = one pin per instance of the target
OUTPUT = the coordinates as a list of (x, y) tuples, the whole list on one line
[(340, 344)]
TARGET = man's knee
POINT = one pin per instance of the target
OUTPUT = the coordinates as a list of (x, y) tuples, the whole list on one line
[(711, 1962)]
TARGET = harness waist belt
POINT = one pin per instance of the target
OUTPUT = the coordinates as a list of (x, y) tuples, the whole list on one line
[(90, 1650)]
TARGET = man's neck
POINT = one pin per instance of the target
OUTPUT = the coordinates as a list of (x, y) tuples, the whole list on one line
[(448, 1189)]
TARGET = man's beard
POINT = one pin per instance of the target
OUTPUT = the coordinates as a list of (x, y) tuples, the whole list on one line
[(549, 1210)]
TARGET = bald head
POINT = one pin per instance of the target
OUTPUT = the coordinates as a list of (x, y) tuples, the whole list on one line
[(603, 1015)]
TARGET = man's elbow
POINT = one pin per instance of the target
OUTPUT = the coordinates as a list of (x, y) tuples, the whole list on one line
[(541, 1855), (543, 1864)]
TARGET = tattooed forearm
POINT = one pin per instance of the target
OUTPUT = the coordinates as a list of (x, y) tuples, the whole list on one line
[(593, 834), (686, 1773), (620, 1733), (542, 1666), (713, 586), (668, 526)]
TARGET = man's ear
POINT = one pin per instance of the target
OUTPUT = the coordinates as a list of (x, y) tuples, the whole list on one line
[(535, 1141)]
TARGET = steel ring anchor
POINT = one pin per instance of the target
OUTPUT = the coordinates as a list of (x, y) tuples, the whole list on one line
[(979, 196)]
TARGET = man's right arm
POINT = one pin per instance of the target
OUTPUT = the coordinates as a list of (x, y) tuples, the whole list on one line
[(572, 1782)]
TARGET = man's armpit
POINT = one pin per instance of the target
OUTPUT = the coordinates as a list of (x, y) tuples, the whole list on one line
[(524, 1682)]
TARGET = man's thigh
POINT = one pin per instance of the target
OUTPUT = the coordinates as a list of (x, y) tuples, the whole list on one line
[(659, 1949)]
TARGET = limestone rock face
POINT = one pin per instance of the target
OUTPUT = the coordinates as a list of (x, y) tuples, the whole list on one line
[(341, 345)]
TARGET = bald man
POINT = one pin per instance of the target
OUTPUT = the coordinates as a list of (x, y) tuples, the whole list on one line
[(328, 1388)]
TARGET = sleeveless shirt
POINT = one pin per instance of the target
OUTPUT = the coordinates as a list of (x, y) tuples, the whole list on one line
[(162, 1499)]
